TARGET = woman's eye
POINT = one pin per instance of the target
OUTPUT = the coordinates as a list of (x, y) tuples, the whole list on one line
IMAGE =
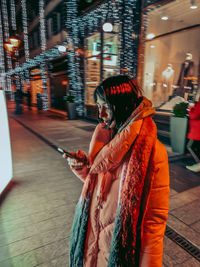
[(105, 106)]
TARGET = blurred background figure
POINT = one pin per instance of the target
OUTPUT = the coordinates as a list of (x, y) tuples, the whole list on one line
[(194, 136), (29, 99), (39, 101), (18, 101)]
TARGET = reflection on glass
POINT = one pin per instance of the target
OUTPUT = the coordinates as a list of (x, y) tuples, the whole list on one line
[(110, 62), (172, 59)]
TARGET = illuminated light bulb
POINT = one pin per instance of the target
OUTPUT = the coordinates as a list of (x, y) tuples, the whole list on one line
[(9, 47), (150, 36), (107, 27), (152, 46), (14, 41)]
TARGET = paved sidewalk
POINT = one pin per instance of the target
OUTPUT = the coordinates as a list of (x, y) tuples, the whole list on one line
[(184, 215)]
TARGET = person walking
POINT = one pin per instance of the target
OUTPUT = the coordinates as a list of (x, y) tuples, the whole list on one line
[(121, 216), (18, 101), (29, 99), (194, 135)]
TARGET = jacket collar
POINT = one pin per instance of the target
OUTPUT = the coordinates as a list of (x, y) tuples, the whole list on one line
[(144, 110)]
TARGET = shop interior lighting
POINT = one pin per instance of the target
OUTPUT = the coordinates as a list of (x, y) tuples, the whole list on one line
[(15, 42), (152, 46), (164, 16), (9, 47), (193, 4), (150, 36)]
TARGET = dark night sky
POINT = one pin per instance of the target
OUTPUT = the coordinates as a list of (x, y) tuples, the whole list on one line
[(84, 4)]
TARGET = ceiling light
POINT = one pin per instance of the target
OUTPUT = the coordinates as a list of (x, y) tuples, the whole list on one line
[(192, 4), (150, 36), (164, 18), (163, 15)]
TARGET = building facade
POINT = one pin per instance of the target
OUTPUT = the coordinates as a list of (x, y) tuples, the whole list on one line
[(169, 68), (155, 41)]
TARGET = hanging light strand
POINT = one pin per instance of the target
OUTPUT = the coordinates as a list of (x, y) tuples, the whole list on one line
[(2, 64), (42, 25), (13, 15), (6, 30), (44, 83), (25, 28)]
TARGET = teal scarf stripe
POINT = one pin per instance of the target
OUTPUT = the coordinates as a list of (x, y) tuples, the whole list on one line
[(78, 233), (115, 244)]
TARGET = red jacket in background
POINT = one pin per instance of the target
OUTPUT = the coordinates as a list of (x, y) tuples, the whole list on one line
[(194, 122)]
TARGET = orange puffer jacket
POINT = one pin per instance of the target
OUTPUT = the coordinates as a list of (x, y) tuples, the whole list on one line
[(102, 217)]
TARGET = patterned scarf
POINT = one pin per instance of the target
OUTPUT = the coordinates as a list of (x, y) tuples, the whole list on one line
[(123, 248)]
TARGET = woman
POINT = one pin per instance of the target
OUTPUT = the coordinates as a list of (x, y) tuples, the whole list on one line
[(121, 215)]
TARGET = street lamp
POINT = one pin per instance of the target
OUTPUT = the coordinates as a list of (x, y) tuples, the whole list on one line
[(14, 41), (12, 45), (107, 27)]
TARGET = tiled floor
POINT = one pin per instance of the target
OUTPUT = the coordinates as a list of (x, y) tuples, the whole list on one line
[(37, 213)]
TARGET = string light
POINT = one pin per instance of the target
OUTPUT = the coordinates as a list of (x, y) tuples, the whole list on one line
[(13, 15), (42, 25), (2, 64), (126, 16), (44, 83), (43, 47), (6, 34), (6, 30), (25, 29)]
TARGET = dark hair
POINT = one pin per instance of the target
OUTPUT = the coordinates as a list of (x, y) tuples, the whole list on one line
[(122, 94)]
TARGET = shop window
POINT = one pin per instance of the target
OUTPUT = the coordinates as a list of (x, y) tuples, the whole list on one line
[(95, 70), (49, 27), (30, 40), (56, 22), (172, 54)]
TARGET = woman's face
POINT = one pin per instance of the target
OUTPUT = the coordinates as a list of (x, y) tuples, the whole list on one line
[(105, 112)]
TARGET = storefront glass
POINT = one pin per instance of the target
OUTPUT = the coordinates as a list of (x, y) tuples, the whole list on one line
[(172, 54), (93, 65)]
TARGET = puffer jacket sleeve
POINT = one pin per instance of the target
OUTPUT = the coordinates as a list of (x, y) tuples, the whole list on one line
[(100, 138), (81, 173), (156, 213)]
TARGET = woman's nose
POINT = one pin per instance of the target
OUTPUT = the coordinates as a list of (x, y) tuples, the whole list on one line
[(102, 112)]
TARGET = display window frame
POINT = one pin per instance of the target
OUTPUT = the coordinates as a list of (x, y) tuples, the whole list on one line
[(175, 59), (101, 60)]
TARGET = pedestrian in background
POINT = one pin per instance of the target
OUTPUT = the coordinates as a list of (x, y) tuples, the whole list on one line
[(39, 101), (121, 216), (194, 135), (29, 99), (18, 101)]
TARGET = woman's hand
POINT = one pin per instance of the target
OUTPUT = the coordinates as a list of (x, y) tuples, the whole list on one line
[(75, 163)]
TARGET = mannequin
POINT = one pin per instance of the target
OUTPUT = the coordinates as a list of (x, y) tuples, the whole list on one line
[(187, 70), (167, 81)]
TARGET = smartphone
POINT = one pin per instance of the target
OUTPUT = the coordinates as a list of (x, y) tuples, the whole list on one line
[(62, 151)]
